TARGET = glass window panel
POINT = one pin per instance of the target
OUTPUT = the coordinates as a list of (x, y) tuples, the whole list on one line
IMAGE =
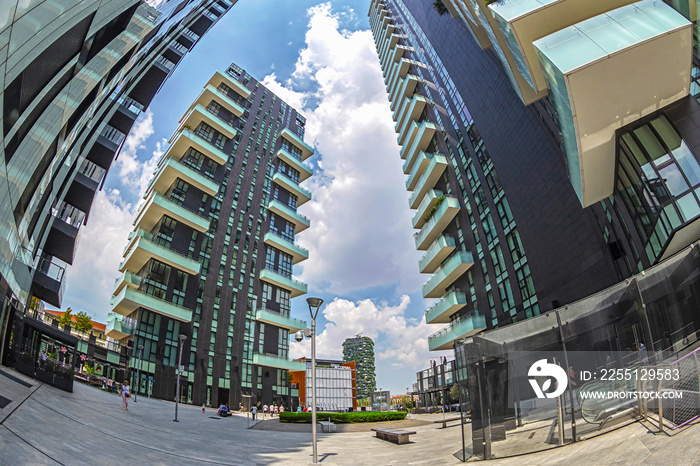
[(688, 163), (667, 133), (634, 149), (673, 177), (688, 206), (652, 145)]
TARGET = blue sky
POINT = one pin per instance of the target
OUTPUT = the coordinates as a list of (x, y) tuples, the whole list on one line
[(320, 58)]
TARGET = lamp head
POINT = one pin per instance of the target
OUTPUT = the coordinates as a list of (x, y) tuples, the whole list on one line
[(140, 347), (314, 306), (183, 337)]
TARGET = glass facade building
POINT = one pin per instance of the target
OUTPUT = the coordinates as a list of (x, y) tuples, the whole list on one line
[(212, 251), (74, 76)]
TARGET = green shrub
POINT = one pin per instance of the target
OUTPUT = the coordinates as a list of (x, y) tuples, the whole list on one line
[(342, 418)]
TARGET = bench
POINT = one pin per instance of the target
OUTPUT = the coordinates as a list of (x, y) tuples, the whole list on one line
[(446, 420), (393, 435), (327, 426)]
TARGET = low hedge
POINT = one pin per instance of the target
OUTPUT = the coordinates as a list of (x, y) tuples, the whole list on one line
[(342, 418)]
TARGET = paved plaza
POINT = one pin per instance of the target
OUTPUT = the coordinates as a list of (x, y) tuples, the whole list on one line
[(43, 425)]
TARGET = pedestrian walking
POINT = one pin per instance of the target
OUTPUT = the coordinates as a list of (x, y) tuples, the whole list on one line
[(125, 394), (204, 409), (110, 385), (264, 411), (104, 382), (282, 409), (277, 409), (253, 411)]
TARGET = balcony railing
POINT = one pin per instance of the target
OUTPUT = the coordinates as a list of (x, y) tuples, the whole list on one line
[(69, 214), (112, 135)]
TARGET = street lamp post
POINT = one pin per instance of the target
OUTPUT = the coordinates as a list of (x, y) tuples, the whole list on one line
[(314, 306), (178, 372), (138, 373)]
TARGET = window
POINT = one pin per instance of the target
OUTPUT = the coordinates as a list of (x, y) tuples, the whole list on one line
[(527, 287)]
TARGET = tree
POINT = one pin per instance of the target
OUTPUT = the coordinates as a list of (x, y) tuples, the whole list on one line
[(83, 322), (454, 393), (66, 318), (440, 7)]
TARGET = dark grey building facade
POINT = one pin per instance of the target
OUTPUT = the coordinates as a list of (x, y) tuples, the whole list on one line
[(211, 255)]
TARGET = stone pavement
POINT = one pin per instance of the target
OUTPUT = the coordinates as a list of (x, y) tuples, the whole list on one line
[(90, 427), (49, 426)]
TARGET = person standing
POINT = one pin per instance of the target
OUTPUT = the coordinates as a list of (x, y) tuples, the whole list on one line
[(126, 394), (264, 411), (253, 411), (277, 410), (109, 385)]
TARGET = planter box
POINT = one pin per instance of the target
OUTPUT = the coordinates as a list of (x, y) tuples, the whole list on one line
[(24, 368), (63, 384), (44, 376)]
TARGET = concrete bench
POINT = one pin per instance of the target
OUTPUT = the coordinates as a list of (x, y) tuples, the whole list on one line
[(393, 435), (446, 420), (327, 426)]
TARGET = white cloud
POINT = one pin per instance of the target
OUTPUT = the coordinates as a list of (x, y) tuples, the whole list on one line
[(90, 281), (400, 341), (134, 173), (361, 230)]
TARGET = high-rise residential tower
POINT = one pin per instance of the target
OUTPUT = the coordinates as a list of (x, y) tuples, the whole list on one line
[(551, 148), (534, 185), (361, 350), (211, 254), (74, 75)]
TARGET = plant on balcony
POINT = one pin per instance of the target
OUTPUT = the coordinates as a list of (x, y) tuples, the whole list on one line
[(430, 213), (440, 7)]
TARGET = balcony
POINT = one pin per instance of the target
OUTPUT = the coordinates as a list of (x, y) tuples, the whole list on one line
[(436, 253), (221, 77), (431, 198), (158, 205), (183, 140), (418, 139), (129, 300), (306, 150), (305, 171), (303, 195), (440, 312), (409, 112), (126, 279), (210, 93), (297, 252), (431, 175), (279, 320), (445, 276), (445, 212), (463, 327), (200, 113), (616, 49), (117, 328), (397, 72), (300, 222), (405, 89), (272, 360), (170, 170), (49, 282), (141, 249), (297, 288)]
